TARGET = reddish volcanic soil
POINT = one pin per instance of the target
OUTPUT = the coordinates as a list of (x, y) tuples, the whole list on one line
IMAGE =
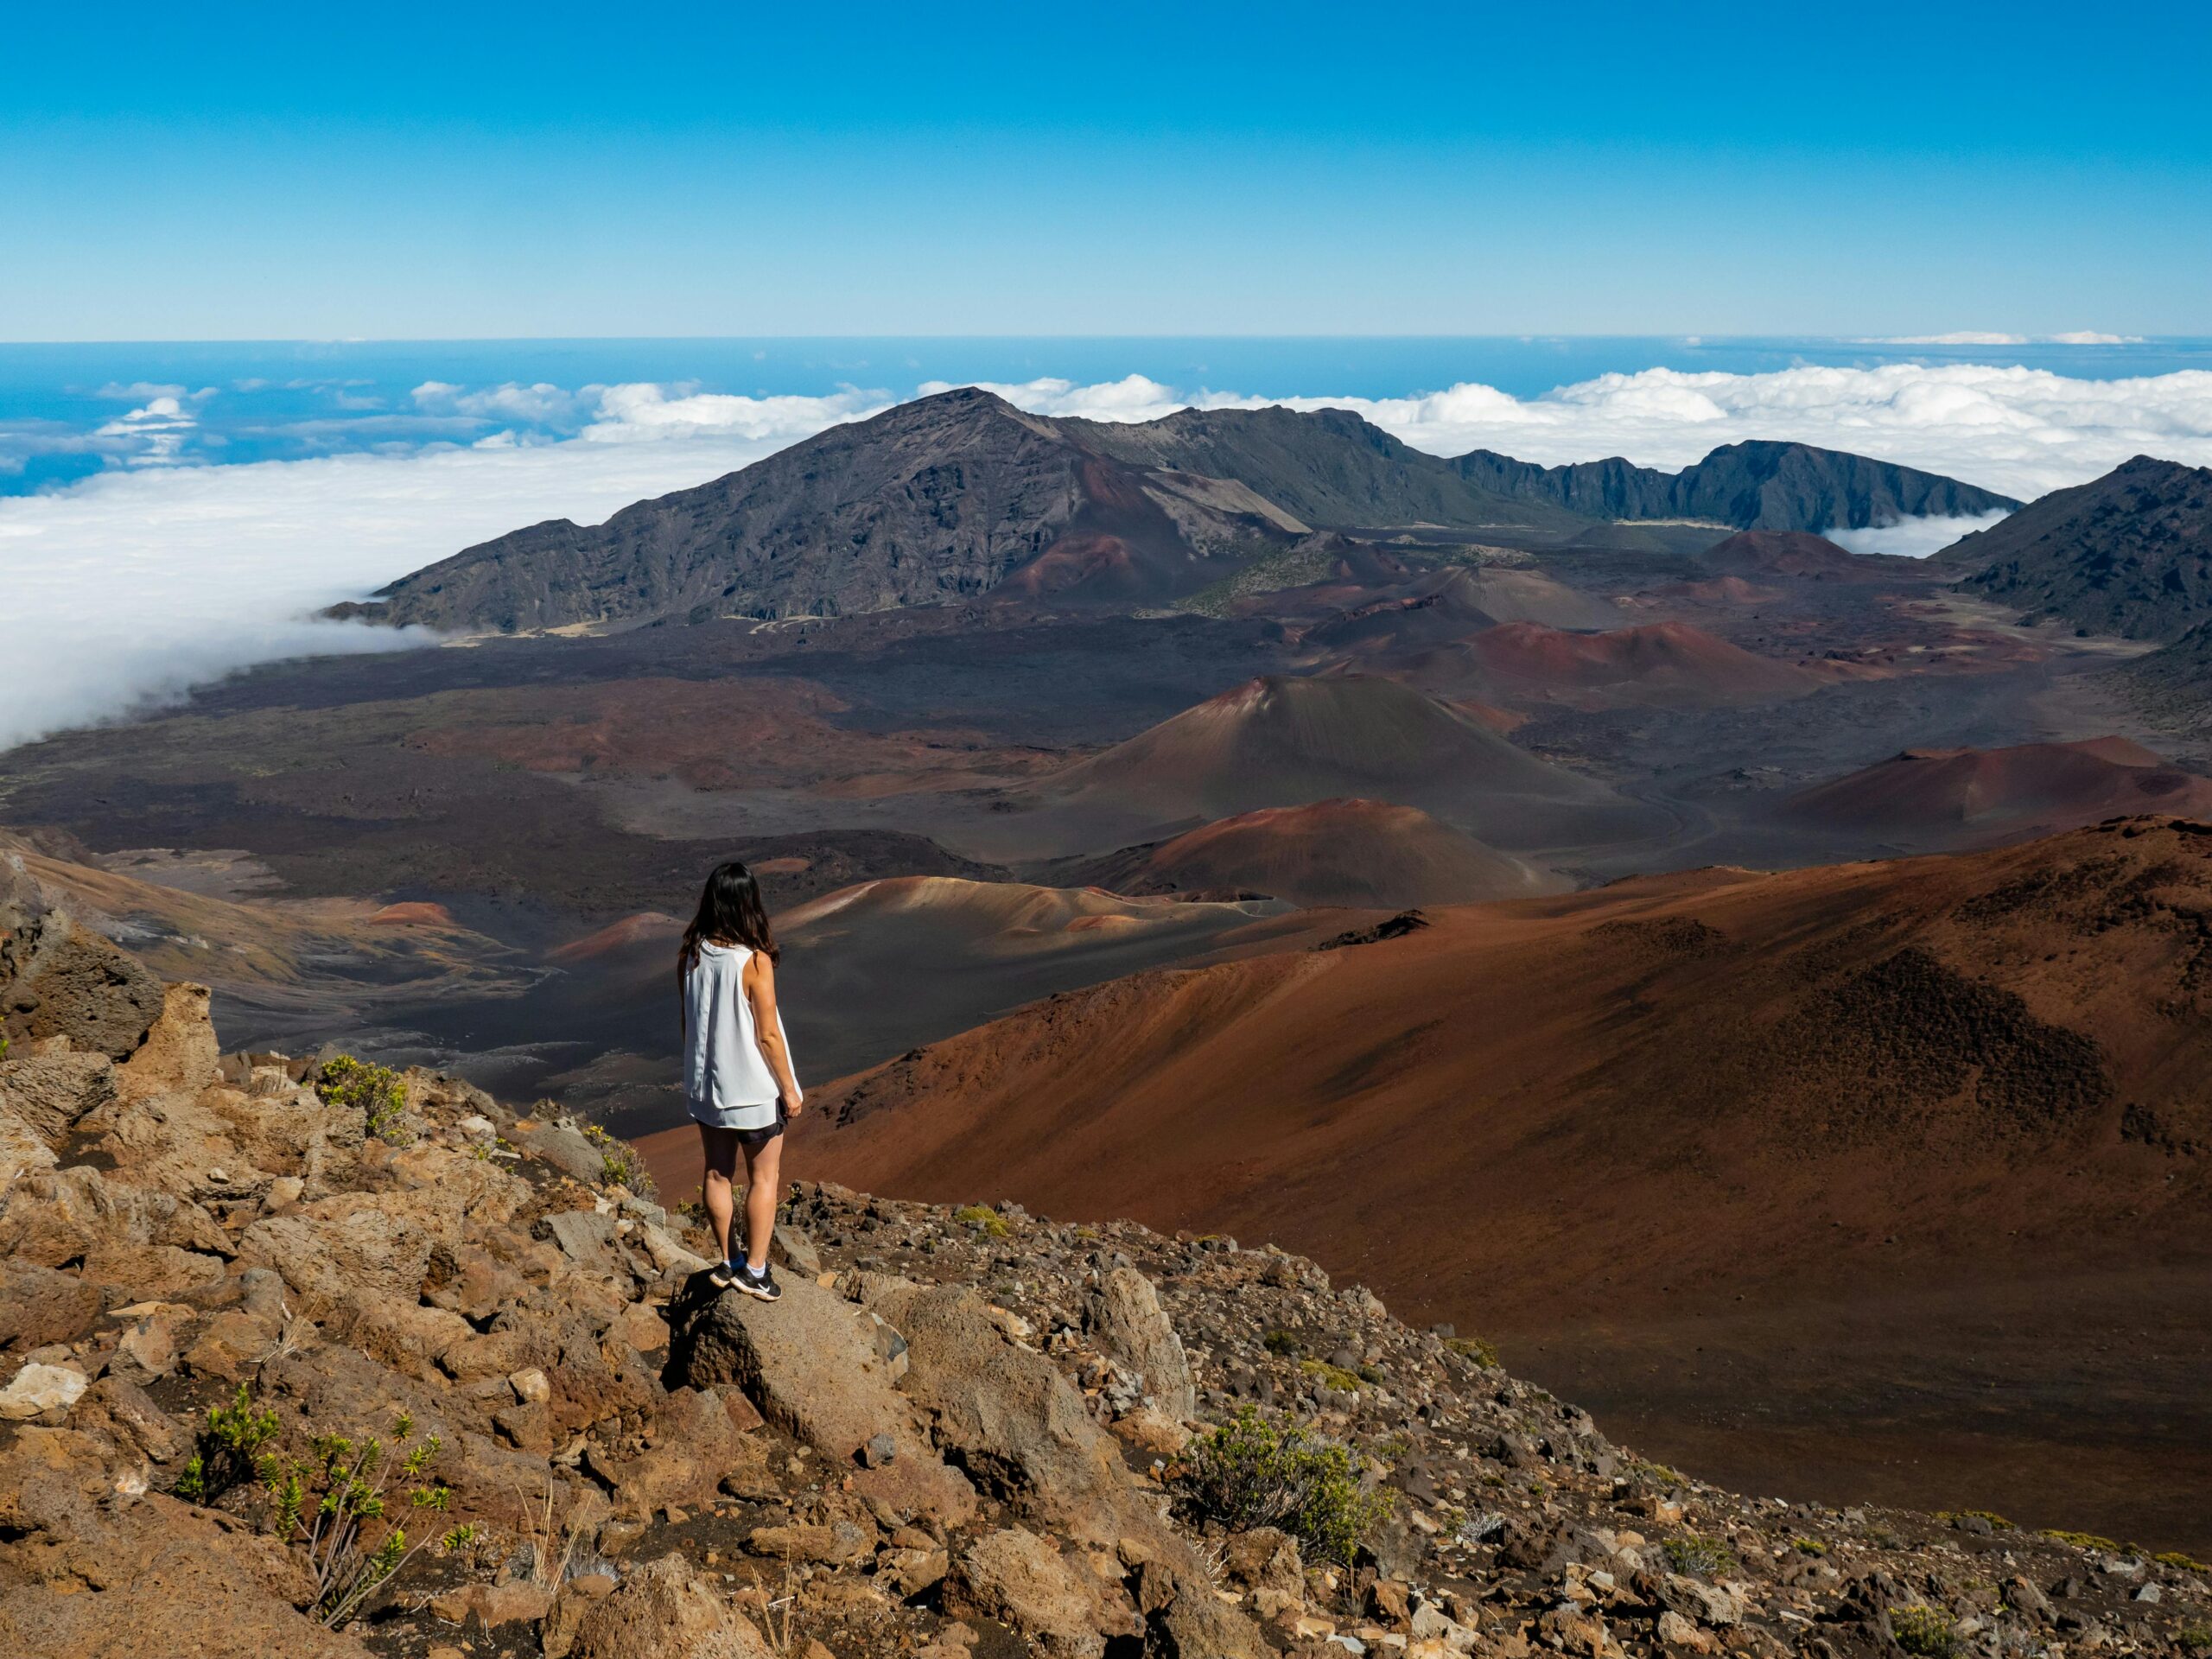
[(1344, 852), (1820, 1117), (1282, 741), (752, 733), (1798, 553), (2029, 790), (1660, 662)]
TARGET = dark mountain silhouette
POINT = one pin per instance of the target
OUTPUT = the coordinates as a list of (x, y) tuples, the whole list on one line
[(2129, 553), (1328, 465), (942, 499), (962, 494), (1752, 485)]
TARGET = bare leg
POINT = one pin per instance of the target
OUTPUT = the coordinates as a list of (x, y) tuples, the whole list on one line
[(763, 1175), (720, 1148)]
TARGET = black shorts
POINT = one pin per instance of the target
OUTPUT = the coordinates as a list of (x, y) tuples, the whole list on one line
[(754, 1140)]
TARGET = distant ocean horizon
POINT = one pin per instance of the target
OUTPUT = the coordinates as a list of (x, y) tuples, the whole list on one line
[(66, 409)]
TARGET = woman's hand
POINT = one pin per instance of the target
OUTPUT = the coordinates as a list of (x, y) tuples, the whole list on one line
[(792, 1105)]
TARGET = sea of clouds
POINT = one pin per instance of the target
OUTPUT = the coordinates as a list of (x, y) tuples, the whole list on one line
[(128, 588)]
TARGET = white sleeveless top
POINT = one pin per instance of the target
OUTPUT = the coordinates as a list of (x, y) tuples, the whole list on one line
[(726, 1081)]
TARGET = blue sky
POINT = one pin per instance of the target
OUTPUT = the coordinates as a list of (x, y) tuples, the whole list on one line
[(406, 172)]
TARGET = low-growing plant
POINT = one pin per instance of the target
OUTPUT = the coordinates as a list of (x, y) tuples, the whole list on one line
[(377, 1092), (227, 1453), (2195, 1636), (1279, 1341), (1335, 1377), (1699, 1556), (1809, 1546), (1925, 1632), (2081, 1540), (1474, 1348), (1657, 1474), (1252, 1472), (2186, 1563), (331, 1507), (983, 1218), (620, 1163)]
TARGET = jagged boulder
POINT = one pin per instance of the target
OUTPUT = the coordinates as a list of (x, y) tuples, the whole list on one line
[(58, 979), (39, 1306), (1124, 1318), (1066, 1608), (662, 1609), (1006, 1414), (814, 1365)]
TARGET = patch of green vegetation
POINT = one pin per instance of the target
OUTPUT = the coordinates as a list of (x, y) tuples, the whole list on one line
[(2195, 1636), (332, 1508), (1474, 1348), (1335, 1377), (620, 1165), (2186, 1563), (1699, 1556), (2082, 1540), (228, 1452), (1925, 1632), (983, 1218), (1280, 1341), (1250, 1473), (1657, 1474), (1808, 1546), (1269, 573), (1998, 1522), (377, 1092)]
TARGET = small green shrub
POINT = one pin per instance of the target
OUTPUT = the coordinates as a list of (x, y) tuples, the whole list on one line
[(1280, 1341), (1657, 1474), (2186, 1563), (228, 1451), (1474, 1348), (1699, 1556), (1250, 1473), (1809, 1546), (332, 1508), (2195, 1636), (620, 1163), (2081, 1540), (983, 1218), (1925, 1632), (1335, 1377), (377, 1092)]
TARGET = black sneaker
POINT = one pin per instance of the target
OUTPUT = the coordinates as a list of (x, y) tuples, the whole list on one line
[(762, 1284)]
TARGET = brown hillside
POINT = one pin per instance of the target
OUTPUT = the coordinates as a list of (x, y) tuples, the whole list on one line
[(1282, 741), (1601, 1121), (1658, 663), (1345, 852), (2030, 789)]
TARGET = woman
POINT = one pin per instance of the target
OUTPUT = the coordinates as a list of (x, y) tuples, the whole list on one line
[(737, 1067)]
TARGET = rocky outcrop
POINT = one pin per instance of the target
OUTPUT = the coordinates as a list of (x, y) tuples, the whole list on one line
[(58, 979)]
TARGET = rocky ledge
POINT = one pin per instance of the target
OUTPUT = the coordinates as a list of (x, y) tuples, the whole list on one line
[(300, 1357)]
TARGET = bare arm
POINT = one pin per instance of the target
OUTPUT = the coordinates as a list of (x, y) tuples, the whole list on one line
[(759, 983)]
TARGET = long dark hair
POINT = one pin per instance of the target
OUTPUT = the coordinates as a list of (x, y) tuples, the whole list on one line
[(730, 912)]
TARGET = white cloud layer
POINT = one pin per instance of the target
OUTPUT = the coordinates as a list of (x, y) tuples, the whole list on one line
[(126, 590), (1914, 538), (2021, 431), (136, 584)]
